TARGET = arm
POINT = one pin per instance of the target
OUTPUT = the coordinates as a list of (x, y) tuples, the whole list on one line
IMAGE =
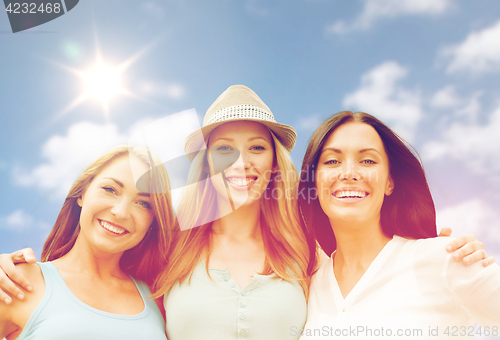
[(467, 248), (10, 274)]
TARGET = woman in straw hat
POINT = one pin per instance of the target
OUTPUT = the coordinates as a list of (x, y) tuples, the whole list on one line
[(239, 267), (108, 235)]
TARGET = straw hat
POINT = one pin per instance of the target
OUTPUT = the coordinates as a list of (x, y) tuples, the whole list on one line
[(238, 102)]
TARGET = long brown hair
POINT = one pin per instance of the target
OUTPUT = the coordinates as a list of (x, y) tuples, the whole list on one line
[(284, 241), (408, 212), (149, 257)]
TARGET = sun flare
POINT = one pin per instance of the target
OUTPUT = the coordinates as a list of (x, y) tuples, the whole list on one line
[(103, 83)]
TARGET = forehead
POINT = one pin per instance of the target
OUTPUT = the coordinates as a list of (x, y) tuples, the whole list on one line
[(124, 168), (355, 136), (240, 131)]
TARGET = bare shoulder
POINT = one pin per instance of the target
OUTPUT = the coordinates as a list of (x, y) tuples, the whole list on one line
[(13, 316), (20, 311)]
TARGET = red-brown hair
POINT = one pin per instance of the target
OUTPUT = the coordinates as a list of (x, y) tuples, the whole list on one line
[(408, 212)]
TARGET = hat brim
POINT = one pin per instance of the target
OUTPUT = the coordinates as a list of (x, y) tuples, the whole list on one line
[(196, 141)]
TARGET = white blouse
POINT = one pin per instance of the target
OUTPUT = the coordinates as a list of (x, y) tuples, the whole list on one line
[(413, 289)]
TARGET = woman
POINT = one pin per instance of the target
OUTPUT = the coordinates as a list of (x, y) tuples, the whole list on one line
[(374, 211), (239, 268), (108, 243)]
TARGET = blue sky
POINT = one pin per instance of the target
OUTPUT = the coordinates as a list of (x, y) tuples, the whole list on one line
[(428, 68)]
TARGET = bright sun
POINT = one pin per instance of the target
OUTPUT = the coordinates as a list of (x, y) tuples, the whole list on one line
[(103, 83)]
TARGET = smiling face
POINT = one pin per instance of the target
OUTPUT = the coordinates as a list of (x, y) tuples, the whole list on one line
[(115, 216), (251, 144), (352, 176)]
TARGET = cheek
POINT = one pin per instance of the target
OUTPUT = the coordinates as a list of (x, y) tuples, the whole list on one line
[(324, 179), (218, 183), (144, 220)]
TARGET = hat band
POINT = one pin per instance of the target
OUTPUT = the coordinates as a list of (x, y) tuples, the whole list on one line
[(240, 112)]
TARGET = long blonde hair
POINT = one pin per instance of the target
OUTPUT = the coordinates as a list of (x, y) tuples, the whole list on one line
[(149, 257), (285, 244)]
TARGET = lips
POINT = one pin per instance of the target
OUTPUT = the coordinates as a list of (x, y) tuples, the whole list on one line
[(113, 228), (350, 193), (241, 182)]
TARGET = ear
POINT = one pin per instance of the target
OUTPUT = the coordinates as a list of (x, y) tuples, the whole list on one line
[(390, 186), (79, 201)]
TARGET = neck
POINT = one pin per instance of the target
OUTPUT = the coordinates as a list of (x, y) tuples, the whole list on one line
[(241, 224), (358, 244), (81, 258)]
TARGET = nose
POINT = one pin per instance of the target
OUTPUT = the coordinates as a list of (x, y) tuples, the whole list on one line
[(349, 172), (243, 162), (121, 208)]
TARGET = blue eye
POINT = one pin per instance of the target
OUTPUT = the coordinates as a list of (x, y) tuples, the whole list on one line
[(369, 161), (258, 148)]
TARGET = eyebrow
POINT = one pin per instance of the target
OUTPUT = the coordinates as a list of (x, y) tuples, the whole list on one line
[(121, 186), (340, 151)]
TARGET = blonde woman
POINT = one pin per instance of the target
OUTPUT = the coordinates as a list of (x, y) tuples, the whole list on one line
[(239, 270), (107, 245)]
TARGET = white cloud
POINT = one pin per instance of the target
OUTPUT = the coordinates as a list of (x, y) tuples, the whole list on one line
[(162, 89), (20, 221), (380, 95), (375, 10), (472, 217), (477, 145), (65, 157), (478, 53), (446, 98)]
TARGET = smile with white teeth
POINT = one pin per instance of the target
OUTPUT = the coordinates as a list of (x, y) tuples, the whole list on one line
[(350, 194), (240, 182), (112, 228)]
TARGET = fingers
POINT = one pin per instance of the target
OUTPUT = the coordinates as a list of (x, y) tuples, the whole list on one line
[(6, 285), (24, 255), (10, 274), (488, 261), (461, 241), (445, 232)]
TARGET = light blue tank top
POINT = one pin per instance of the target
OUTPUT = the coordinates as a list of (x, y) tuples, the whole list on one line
[(61, 316)]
